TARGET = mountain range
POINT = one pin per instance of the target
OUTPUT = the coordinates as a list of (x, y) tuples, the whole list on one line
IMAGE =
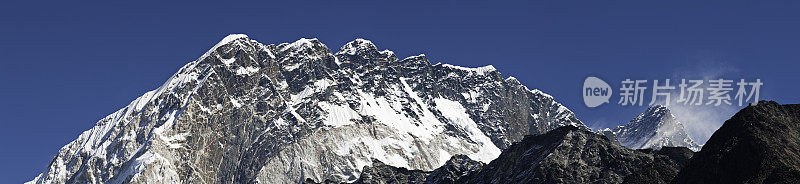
[(246, 112)]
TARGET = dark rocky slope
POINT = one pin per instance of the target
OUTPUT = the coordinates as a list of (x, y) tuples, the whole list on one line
[(760, 144), (570, 155), (564, 155), (454, 169)]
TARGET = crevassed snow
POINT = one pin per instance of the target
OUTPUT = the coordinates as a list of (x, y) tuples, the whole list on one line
[(456, 114), (338, 115), (427, 116), (318, 86), (391, 115)]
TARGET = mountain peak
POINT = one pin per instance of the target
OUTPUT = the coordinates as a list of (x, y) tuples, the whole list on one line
[(365, 52), (302, 44), (226, 40), (655, 128), (357, 46), (656, 111), (232, 37)]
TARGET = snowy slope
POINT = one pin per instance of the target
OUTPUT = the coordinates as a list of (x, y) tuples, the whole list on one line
[(249, 112)]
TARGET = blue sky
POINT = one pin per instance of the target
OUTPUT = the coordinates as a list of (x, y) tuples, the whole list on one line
[(65, 65)]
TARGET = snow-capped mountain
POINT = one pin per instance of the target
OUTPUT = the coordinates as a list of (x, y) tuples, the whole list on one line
[(655, 128), (245, 112)]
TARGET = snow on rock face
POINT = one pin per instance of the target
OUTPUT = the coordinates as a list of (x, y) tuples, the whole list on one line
[(247, 112), (655, 128), (456, 114)]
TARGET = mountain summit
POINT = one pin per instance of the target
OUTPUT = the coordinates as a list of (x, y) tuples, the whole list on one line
[(245, 112), (655, 128)]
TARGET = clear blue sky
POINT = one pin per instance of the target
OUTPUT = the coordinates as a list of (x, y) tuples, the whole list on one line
[(65, 65)]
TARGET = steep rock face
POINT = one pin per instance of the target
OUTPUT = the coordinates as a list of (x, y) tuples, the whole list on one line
[(254, 113), (563, 155), (760, 144), (655, 128)]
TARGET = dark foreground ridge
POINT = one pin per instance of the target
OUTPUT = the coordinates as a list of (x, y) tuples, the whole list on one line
[(571, 155), (564, 155), (758, 145)]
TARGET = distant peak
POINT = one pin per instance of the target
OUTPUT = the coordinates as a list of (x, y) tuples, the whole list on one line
[(654, 128), (356, 46)]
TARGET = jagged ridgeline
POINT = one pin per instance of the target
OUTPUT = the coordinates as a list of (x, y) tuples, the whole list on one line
[(245, 112)]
